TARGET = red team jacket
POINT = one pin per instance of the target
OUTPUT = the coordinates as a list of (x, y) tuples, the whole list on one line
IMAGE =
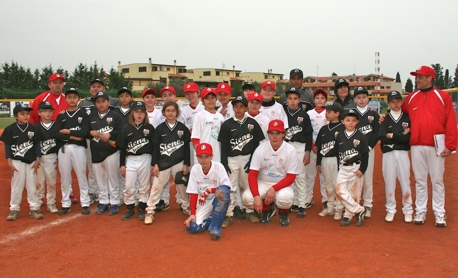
[(431, 113), (47, 96)]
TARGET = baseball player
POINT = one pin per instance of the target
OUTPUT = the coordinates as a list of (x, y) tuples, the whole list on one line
[(149, 98), (171, 155), (223, 94), (191, 92), (247, 89), (273, 170), (209, 189), (270, 107), (22, 150), (104, 126), (239, 137), (73, 130), (135, 142), (298, 135), (207, 124), (254, 106), (342, 93), (327, 161), (394, 136), (46, 173), (296, 79), (369, 126), (353, 160), (431, 113), (318, 120)]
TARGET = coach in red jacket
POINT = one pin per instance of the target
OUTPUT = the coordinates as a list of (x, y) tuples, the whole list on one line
[(431, 112), (55, 96)]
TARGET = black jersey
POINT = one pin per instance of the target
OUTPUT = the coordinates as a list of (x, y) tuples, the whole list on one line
[(171, 145), (78, 124), (47, 135), (240, 137), (135, 140), (369, 126), (326, 141), (111, 123), (22, 140), (299, 127), (400, 141), (351, 147), (124, 114)]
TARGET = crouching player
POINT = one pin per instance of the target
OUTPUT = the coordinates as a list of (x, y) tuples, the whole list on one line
[(273, 170), (209, 188)]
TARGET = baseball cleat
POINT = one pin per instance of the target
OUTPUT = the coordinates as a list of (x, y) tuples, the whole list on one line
[(63, 211), (345, 222), (14, 214), (149, 219), (408, 218), (101, 209), (294, 208), (228, 220), (440, 221), (85, 211), (114, 209), (267, 214), (389, 217), (36, 214), (253, 217), (360, 217), (419, 218), (284, 219), (337, 215), (300, 213)]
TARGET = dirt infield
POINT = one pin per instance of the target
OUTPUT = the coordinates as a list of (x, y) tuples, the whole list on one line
[(105, 246)]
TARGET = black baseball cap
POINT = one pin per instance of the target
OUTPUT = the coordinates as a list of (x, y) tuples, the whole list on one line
[(124, 89), (360, 90), (45, 105), (72, 91), (393, 95), (296, 71), (240, 99), (293, 90), (350, 112), (334, 106), (138, 105), (21, 107), (97, 80), (182, 179), (102, 95), (248, 85), (340, 82)]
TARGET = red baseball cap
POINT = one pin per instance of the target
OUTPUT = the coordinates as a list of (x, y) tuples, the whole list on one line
[(56, 76), (168, 88), (223, 87), (149, 91), (190, 87), (255, 96), (268, 83), (320, 90), (204, 148), (424, 70), (206, 91), (276, 125)]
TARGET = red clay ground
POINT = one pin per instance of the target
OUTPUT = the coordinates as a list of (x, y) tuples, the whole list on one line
[(105, 246)]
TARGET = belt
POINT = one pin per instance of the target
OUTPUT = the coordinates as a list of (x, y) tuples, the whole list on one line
[(353, 163)]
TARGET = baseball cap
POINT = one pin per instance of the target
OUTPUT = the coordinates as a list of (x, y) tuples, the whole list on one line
[(182, 179), (293, 90), (269, 83), (204, 148), (320, 90), (138, 105), (124, 90), (102, 95), (255, 96), (223, 87), (240, 99), (350, 112), (149, 91), (45, 105), (360, 90), (190, 87), (168, 88), (248, 85), (207, 91), (56, 76), (424, 70), (334, 106), (339, 83), (296, 71), (72, 91), (21, 107), (276, 125), (393, 95), (97, 80)]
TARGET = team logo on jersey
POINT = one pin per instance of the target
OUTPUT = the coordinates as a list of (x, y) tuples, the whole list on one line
[(109, 120), (103, 130), (335, 134), (272, 113), (405, 125), (21, 150), (215, 132), (250, 127), (209, 123), (88, 111), (134, 146), (327, 147), (347, 155), (290, 132), (365, 129), (80, 119), (46, 145), (300, 120), (170, 148), (30, 134), (370, 118), (180, 133), (355, 143), (239, 143), (273, 172), (280, 161), (145, 132)]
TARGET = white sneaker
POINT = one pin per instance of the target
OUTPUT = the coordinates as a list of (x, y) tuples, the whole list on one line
[(440, 221), (419, 218), (338, 215), (52, 209), (149, 219), (408, 218), (326, 212), (389, 217)]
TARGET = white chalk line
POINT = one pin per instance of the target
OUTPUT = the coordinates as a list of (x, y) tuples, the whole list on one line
[(37, 229)]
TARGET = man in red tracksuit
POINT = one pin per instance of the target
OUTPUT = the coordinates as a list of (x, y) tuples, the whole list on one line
[(431, 113)]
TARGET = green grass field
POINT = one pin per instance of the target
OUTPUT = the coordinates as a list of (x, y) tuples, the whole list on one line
[(6, 121)]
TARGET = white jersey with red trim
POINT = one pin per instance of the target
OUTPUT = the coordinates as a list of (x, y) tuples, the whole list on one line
[(275, 112), (199, 182), (206, 128), (318, 121), (189, 114)]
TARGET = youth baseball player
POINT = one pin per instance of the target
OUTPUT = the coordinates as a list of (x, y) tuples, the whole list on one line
[(223, 93), (270, 107), (254, 106)]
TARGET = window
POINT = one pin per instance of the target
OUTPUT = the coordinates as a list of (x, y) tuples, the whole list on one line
[(125, 70), (237, 74), (168, 69), (207, 73), (141, 69), (265, 76), (217, 73), (154, 68), (181, 70)]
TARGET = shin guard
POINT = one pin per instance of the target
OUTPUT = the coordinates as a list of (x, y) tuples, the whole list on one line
[(194, 228), (220, 204)]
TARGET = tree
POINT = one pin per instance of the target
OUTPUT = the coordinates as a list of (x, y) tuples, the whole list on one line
[(398, 77), (116, 80), (439, 80), (178, 84), (447, 80), (409, 86), (334, 74), (455, 78)]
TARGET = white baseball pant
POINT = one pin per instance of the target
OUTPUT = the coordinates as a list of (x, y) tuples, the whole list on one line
[(106, 175), (47, 173), (93, 187), (138, 174), (239, 181), (368, 181), (330, 169), (397, 164), (73, 158), (23, 177), (424, 162), (283, 197), (300, 184), (310, 176), (348, 189)]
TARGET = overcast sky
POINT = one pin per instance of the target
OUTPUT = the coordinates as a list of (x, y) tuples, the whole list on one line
[(254, 35)]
